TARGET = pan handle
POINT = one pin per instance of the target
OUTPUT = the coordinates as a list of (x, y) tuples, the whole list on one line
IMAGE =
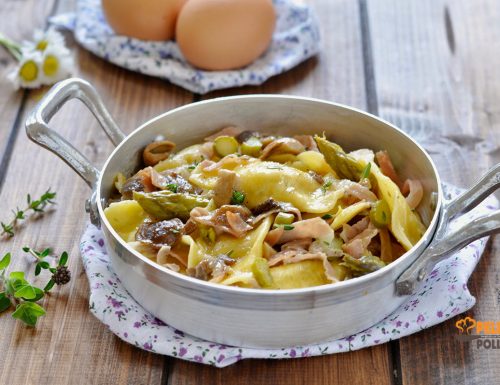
[(37, 125), (446, 241), (38, 130)]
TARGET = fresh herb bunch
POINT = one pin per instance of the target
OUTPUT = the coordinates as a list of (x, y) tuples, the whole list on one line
[(18, 292), (35, 206)]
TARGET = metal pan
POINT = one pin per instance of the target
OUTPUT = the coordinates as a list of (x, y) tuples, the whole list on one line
[(266, 318)]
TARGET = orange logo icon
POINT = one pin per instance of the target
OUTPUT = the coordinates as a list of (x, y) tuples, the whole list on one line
[(465, 325)]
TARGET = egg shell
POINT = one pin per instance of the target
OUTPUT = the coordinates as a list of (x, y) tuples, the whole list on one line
[(225, 34), (143, 19)]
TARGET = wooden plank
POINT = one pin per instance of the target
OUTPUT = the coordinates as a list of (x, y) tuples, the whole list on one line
[(70, 345), (436, 66), (337, 75), (18, 20), (367, 366)]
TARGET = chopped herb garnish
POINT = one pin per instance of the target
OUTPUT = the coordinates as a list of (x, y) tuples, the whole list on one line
[(229, 254), (288, 227), (193, 166), (274, 168), (366, 171), (327, 216), (326, 186), (237, 198), (172, 187)]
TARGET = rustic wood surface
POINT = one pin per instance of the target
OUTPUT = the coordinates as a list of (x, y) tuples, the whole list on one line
[(430, 67)]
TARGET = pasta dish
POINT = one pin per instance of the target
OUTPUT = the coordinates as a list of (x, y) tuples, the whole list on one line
[(262, 211)]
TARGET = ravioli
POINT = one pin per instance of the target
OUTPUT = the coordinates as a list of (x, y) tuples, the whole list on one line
[(263, 180)]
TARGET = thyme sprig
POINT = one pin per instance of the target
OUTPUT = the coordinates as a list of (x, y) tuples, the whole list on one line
[(16, 291), (32, 207)]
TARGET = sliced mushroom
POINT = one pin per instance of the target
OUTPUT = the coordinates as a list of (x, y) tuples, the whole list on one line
[(245, 135), (270, 206), (159, 234), (223, 189), (415, 192), (211, 268), (171, 180), (237, 226), (226, 131), (282, 146), (139, 182), (307, 141), (157, 151)]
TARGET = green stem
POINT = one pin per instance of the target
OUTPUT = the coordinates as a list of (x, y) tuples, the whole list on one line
[(32, 252), (11, 46)]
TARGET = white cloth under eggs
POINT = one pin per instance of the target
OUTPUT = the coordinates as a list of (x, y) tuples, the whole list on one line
[(295, 39)]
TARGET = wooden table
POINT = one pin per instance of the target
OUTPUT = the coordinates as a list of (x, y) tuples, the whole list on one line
[(430, 67)]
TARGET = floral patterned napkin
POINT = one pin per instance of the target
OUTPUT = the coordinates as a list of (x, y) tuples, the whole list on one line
[(443, 295), (296, 39)]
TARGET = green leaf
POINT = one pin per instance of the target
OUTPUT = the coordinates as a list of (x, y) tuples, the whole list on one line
[(39, 294), (64, 259), (7, 229), (17, 275), (237, 198), (366, 171), (17, 284), (8, 287), (4, 302), (38, 269), (26, 249), (326, 186), (25, 291), (172, 187), (48, 196), (4, 263), (288, 227), (44, 264), (49, 286), (16, 280), (44, 253), (28, 312)]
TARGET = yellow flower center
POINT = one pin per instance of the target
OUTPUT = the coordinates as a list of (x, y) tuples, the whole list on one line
[(29, 71), (50, 65), (42, 44)]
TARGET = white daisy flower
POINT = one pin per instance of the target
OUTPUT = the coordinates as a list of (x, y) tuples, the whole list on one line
[(43, 40), (57, 64), (44, 61), (27, 73)]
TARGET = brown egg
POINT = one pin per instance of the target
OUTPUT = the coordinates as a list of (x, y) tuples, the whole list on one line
[(143, 19), (225, 34)]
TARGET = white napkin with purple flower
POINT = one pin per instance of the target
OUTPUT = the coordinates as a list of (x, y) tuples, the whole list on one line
[(443, 295)]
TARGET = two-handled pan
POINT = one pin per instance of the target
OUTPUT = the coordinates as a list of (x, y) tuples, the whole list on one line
[(267, 318)]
